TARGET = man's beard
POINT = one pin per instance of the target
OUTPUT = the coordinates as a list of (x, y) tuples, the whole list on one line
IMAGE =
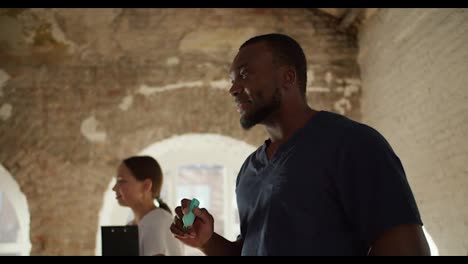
[(249, 120)]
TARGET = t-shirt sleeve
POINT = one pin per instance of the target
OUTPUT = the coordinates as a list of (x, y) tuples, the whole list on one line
[(372, 185)]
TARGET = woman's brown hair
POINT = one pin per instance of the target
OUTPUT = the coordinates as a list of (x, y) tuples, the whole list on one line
[(146, 167)]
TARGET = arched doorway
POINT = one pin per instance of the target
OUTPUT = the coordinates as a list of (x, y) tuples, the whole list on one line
[(432, 245), (14, 218), (204, 166)]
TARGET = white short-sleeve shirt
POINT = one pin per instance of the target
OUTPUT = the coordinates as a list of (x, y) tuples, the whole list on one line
[(155, 236)]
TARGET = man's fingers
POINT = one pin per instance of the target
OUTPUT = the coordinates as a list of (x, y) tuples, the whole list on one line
[(185, 205), (184, 239), (178, 223), (189, 232), (178, 211), (182, 233), (177, 231), (203, 215)]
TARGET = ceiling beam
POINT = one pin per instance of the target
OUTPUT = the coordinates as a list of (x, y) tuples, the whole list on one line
[(349, 17), (336, 12)]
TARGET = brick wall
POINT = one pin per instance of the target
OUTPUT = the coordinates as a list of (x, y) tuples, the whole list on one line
[(414, 70), (81, 89)]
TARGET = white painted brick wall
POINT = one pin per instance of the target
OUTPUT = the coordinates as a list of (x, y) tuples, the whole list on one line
[(414, 66)]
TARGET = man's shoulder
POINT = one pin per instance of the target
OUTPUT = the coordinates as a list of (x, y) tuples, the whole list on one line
[(335, 120), (351, 131), (333, 126), (348, 125)]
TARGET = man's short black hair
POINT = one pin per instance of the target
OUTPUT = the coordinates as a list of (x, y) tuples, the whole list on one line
[(285, 51)]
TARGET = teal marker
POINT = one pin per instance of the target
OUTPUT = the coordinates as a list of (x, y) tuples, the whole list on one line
[(190, 217)]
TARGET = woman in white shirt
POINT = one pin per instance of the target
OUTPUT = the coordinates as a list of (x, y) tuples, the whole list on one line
[(139, 182)]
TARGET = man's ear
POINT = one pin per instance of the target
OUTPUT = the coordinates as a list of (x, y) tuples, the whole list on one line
[(289, 77)]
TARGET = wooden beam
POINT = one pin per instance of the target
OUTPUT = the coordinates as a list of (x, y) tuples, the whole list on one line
[(349, 18), (336, 12)]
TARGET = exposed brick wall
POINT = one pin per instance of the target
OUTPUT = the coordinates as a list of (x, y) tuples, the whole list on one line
[(80, 89), (414, 69)]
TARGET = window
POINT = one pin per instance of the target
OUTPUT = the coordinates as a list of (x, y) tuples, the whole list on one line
[(207, 184)]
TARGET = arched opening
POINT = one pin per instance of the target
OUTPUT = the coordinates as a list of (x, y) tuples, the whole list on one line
[(432, 244), (204, 166), (14, 218)]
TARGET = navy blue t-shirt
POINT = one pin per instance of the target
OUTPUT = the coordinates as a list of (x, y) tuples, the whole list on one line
[(332, 189)]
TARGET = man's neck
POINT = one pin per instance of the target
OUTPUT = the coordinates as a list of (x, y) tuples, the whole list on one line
[(282, 126)]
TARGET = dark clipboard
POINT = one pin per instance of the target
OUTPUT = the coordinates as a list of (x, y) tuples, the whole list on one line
[(120, 240)]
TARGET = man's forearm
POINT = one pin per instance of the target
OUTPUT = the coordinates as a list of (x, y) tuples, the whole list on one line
[(219, 246)]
